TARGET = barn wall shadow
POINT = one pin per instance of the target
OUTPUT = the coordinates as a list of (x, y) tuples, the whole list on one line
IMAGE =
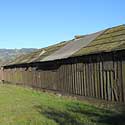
[(71, 115)]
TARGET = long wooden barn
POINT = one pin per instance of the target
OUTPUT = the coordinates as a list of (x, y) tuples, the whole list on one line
[(91, 65)]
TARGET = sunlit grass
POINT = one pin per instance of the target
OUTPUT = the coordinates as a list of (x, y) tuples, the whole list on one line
[(24, 106)]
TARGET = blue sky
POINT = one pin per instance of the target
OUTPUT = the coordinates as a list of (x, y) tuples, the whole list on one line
[(39, 23)]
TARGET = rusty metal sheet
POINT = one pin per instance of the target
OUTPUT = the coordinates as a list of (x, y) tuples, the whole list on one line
[(72, 47)]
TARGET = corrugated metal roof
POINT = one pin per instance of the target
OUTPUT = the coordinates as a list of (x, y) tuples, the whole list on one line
[(72, 47)]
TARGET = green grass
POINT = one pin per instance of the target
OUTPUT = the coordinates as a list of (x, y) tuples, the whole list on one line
[(24, 106)]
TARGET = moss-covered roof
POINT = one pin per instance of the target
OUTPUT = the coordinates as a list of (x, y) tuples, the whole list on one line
[(69, 49), (38, 55), (111, 39)]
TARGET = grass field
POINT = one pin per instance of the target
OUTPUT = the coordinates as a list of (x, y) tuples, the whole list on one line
[(24, 106)]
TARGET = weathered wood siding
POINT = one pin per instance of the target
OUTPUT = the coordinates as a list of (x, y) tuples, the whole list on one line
[(99, 76)]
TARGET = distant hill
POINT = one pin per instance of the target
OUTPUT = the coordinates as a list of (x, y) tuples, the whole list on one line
[(7, 55)]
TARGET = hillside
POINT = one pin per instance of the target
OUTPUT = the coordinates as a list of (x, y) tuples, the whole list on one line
[(7, 55)]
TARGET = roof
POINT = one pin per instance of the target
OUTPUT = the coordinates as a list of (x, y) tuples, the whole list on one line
[(111, 39), (38, 55), (72, 47)]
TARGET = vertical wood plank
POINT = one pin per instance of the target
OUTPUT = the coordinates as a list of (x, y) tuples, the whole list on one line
[(101, 80), (123, 78)]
